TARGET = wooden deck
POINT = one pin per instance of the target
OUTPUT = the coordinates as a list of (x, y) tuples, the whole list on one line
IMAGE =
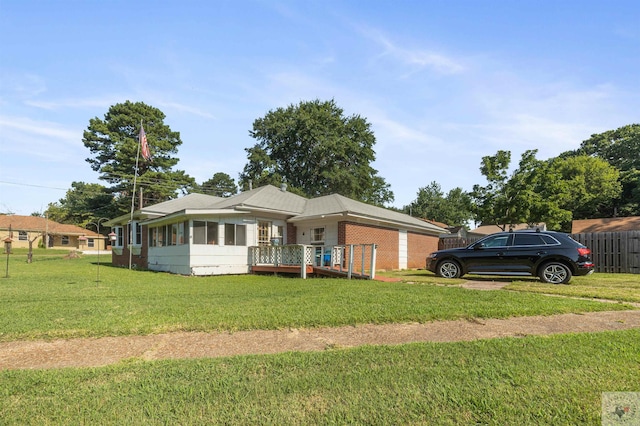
[(311, 270), (282, 269)]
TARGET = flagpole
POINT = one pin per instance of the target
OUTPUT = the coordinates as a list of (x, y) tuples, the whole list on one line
[(133, 197)]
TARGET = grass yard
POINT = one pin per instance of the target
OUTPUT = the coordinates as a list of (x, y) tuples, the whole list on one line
[(60, 298), (618, 287), (556, 379)]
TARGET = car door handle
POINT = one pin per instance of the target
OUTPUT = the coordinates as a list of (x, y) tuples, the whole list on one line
[(540, 253), (500, 254)]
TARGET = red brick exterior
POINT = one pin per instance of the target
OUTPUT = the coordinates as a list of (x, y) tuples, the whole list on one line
[(418, 247), (138, 261), (386, 240), (388, 244), (291, 234)]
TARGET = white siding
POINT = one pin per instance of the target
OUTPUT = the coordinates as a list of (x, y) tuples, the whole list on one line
[(174, 259), (330, 232), (403, 249), (219, 260)]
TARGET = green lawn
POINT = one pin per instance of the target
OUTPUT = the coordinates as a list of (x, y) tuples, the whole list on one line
[(618, 287), (555, 380), (60, 298), (517, 381)]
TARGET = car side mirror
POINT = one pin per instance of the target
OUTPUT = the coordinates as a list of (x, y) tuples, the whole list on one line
[(478, 246)]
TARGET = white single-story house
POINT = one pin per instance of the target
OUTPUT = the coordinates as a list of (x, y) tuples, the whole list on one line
[(204, 235)]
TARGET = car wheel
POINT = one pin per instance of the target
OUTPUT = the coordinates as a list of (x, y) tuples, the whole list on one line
[(449, 269), (555, 273)]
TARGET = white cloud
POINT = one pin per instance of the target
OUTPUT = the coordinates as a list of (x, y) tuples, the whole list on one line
[(36, 128), (417, 59), (75, 102)]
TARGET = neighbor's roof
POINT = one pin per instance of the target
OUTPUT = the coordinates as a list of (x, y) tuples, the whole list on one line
[(613, 224), (41, 224), (492, 229)]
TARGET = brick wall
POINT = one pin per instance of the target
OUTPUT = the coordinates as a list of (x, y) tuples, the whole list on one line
[(139, 261), (387, 250), (291, 234), (388, 244), (419, 246)]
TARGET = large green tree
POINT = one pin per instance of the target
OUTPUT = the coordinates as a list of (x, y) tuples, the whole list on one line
[(493, 203), (82, 204), (621, 149), (114, 143), (453, 209), (588, 184), (553, 191), (316, 150), (220, 185)]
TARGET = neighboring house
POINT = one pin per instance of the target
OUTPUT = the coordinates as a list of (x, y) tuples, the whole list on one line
[(204, 235), (614, 224), (484, 230), (22, 229)]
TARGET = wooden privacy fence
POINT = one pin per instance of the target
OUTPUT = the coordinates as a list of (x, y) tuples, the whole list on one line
[(447, 243), (613, 251)]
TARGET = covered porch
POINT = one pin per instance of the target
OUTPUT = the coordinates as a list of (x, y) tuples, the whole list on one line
[(349, 260)]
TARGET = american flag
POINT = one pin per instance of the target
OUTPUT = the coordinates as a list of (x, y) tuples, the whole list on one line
[(144, 146)]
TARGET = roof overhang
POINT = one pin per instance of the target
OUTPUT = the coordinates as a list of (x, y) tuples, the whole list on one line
[(191, 213), (373, 220)]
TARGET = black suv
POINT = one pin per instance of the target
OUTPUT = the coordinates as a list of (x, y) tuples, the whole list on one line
[(552, 256)]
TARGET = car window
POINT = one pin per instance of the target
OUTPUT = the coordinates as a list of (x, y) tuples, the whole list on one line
[(528, 240), (496, 241), (549, 240)]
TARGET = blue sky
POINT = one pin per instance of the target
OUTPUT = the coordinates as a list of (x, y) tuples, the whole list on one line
[(443, 83)]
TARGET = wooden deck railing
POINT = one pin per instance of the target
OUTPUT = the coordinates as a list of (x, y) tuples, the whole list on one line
[(348, 259)]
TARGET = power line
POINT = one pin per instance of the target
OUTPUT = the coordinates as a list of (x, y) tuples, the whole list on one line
[(32, 185)]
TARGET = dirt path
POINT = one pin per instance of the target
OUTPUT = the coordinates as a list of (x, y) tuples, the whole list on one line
[(96, 352), (110, 350)]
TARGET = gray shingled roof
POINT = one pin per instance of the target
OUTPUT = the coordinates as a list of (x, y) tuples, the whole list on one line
[(270, 198), (190, 201), (265, 198), (338, 204)]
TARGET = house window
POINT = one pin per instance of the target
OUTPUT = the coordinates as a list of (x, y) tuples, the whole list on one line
[(235, 235), (119, 231), (65, 240), (205, 232), (153, 237), (90, 242), (169, 235), (174, 234), (137, 235), (264, 233), (317, 236), (22, 236), (278, 233)]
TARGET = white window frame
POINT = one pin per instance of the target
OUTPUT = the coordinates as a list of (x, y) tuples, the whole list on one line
[(318, 235)]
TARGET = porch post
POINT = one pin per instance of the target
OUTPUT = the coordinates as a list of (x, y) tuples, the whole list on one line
[(373, 261), (350, 267), (303, 263)]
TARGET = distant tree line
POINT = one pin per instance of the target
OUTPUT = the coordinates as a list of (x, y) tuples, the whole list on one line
[(317, 150)]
